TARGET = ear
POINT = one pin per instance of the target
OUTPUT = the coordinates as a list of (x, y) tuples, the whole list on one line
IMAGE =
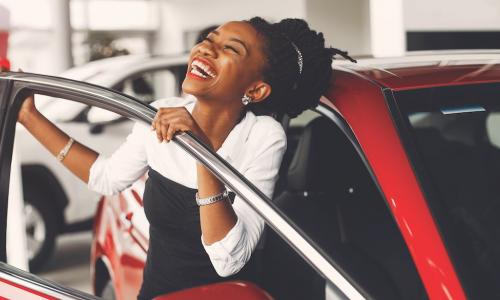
[(259, 91)]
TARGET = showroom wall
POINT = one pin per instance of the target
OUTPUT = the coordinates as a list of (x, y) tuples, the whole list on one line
[(452, 15), (363, 27), (180, 19), (359, 26), (449, 24), (345, 24)]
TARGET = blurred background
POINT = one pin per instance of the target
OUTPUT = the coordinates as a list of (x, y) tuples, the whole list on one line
[(75, 38), (50, 36)]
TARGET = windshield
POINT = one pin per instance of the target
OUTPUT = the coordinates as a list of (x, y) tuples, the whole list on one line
[(454, 140)]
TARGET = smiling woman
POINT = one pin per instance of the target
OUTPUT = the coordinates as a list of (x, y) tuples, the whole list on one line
[(240, 76)]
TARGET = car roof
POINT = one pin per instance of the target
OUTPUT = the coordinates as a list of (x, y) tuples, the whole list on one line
[(100, 71), (427, 69)]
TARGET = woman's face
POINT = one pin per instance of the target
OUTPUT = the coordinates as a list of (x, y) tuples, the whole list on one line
[(226, 63)]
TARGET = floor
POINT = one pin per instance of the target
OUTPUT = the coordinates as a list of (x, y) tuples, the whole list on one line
[(70, 264)]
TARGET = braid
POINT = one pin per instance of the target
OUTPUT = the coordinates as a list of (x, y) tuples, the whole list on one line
[(291, 91)]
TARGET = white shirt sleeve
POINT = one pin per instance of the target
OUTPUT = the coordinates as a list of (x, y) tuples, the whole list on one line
[(231, 253), (110, 175)]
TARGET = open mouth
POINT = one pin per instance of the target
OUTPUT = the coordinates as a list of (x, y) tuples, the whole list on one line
[(202, 69)]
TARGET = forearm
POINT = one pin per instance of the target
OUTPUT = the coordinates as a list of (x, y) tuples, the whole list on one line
[(216, 219), (79, 158)]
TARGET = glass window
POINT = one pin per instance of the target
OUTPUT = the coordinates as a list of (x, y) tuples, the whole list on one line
[(51, 210), (456, 134), (326, 189)]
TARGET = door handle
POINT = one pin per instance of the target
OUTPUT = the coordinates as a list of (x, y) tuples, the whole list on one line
[(126, 219)]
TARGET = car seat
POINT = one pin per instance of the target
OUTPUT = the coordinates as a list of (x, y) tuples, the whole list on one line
[(329, 195)]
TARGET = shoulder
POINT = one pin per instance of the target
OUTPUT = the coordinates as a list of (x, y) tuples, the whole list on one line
[(266, 143), (266, 132), (266, 126), (171, 102)]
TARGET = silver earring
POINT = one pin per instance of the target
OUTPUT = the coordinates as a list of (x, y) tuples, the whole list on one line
[(246, 99)]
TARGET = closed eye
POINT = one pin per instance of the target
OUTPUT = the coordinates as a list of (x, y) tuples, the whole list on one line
[(231, 48)]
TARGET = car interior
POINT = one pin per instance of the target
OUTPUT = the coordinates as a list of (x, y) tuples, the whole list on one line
[(326, 189)]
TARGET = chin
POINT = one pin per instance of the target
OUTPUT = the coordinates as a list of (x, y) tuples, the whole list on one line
[(189, 89), (197, 89)]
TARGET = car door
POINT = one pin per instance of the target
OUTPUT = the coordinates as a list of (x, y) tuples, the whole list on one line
[(16, 86)]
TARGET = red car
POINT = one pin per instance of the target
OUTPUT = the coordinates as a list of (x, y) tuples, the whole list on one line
[(387, 190), (383, 177)]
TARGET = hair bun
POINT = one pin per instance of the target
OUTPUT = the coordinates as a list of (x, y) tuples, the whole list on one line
[(293, 29), (293, 90)]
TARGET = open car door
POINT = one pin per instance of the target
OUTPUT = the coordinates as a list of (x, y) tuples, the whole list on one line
[(15, 87)]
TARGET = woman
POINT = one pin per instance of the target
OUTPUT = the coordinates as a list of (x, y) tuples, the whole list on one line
[(239, 75)]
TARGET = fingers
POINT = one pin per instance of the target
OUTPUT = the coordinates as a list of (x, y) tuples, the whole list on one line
[(168, 121), (171, 132), (160, 128), (164, 128)]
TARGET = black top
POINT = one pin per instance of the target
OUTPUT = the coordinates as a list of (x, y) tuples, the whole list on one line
[(176, 258)]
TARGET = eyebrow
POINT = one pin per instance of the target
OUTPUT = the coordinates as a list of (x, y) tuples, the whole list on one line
[(232, 39)]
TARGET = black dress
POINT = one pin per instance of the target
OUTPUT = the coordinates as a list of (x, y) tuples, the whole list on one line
[(176, 258)]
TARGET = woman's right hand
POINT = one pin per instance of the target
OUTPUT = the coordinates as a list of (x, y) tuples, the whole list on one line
[(27, 110)]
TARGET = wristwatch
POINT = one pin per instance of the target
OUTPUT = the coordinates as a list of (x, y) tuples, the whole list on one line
[(211, 199)]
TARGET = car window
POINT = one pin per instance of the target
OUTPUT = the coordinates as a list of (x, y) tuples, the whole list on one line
[(455, 135), (147, 86), (61, 111), (58, 208), (326, 189)]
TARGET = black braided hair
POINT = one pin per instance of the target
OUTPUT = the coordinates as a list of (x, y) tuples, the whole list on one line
[(293, 92)]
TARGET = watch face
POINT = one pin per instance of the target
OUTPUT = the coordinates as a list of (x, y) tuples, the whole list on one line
[(231, 196)]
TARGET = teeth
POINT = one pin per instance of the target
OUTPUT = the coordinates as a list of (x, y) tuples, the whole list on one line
[(204, 67), (198, 73)]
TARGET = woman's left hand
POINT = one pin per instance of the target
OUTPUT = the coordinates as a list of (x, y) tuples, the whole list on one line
[(169, 120)]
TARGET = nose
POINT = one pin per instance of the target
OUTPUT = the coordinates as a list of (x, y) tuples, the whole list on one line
[(207, 49)]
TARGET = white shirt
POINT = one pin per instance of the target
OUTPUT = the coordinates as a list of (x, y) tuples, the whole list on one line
[(254, 147)]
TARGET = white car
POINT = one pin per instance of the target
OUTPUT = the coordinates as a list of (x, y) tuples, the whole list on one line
[(56, 201)]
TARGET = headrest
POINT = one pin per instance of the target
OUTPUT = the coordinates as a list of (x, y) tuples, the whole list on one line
[(312, 165), (431, 142)]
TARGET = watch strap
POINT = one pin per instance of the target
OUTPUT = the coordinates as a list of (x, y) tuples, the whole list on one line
[(211, 199)]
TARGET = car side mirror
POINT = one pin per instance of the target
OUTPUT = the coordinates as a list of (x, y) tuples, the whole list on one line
[(223, 290), (141, 87), (96, 128)]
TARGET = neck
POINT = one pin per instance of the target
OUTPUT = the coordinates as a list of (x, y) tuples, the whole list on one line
[(216, 121)]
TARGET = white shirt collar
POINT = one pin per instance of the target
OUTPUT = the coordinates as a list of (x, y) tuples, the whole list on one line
[(234, 143)]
